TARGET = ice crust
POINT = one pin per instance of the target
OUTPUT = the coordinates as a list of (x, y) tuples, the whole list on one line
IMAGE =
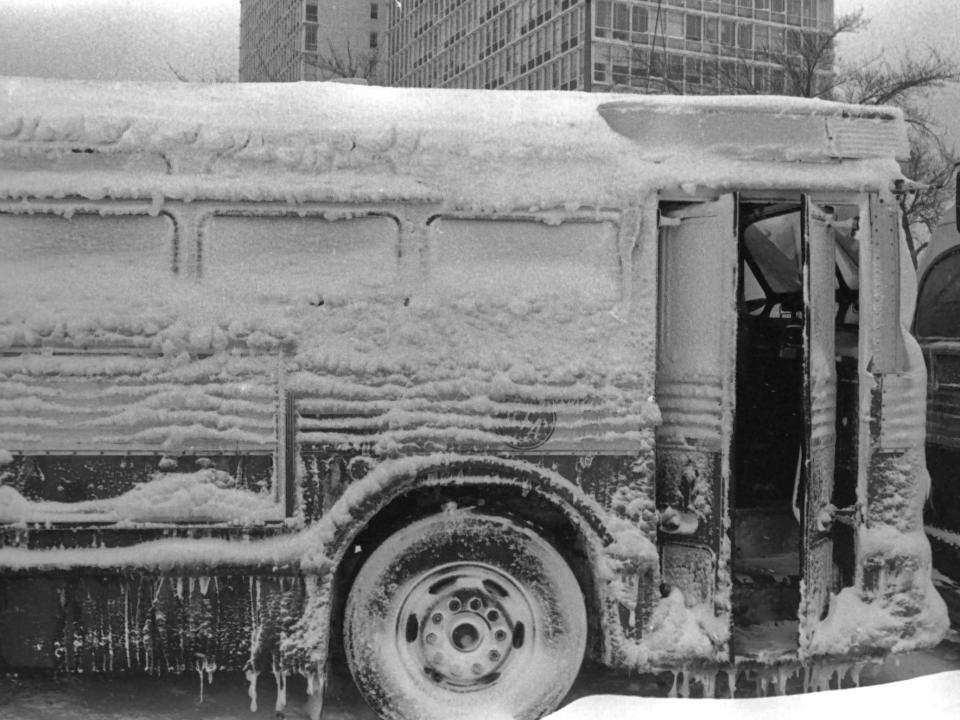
[(207, 495)]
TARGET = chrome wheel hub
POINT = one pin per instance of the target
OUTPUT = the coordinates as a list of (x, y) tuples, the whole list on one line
[(464, 624)]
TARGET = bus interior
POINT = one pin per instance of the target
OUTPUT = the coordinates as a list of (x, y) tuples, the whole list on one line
[(768, 488)]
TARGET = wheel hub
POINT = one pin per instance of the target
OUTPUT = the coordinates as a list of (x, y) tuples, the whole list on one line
[(464, 624)]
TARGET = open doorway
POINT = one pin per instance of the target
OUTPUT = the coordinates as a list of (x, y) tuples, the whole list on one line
[(794, 446)]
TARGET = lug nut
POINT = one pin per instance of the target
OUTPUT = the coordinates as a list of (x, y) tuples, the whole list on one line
[(493, 616), (494, 655), (431, 639), (477, 668), (454, 605), (437, 618), (475, 604), (500, 635)]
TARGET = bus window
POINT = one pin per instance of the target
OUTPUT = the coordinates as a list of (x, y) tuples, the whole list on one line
[(524, 259), (938, 303), (299, 258), (82, 268)]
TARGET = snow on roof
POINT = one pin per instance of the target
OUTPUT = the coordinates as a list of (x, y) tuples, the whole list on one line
[(429, 142)]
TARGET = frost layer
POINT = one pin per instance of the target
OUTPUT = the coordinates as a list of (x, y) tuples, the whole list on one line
[(206, 495)]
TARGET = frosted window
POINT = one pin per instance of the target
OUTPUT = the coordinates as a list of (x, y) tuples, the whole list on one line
[(300, 258), (52, 264), (505, 259)]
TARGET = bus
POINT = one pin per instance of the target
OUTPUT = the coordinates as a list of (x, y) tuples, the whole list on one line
[(938, 334), (454, 389)]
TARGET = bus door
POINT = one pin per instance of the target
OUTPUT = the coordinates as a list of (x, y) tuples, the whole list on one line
[(695, 390), (819, 408)]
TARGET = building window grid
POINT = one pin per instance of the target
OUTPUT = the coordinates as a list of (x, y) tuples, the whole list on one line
[(706, 40), (702, 36), (528, 51)]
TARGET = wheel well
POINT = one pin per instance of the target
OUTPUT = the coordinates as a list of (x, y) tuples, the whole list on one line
[(531, 509)]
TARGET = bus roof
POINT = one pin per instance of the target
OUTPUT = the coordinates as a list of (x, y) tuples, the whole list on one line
[(329, 140)]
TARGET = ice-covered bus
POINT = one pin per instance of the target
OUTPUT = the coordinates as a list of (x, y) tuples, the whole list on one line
[(455, 388)]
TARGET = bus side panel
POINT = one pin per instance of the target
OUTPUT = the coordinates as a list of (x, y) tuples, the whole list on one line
[(143, 623)]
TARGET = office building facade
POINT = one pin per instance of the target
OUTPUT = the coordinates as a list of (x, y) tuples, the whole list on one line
[(684, 46), (290, 40), (690, 46)]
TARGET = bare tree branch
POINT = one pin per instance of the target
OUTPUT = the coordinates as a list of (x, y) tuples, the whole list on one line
[(345, 63), (177, 74), (183, 77)]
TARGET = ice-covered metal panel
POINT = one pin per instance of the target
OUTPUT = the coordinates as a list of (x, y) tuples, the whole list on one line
[(903, 399), (784, 134), (114, 404), (867, 137)]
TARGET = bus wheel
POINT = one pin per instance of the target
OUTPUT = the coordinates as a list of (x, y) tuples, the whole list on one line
[(463, 615)]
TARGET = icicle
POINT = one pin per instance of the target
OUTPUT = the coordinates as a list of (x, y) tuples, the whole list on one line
[(281, 677), (818, 677), (205, 667), (855, 671), (204, 584), (842, 671), (781, 682), (250, 672), (256, 630), (315, 686), (708, 680), (198, 666), (685, 686), (179, 588), (673, 687), (109, 648)]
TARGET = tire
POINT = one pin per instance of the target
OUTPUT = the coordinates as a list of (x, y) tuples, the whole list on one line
[(463, 615)]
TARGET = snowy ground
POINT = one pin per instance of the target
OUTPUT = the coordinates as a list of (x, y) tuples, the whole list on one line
[(934, 697), (926, 682)]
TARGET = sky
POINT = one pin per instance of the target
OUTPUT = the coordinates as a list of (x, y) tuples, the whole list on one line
[(143, 39), (897, 27), (120, 39)]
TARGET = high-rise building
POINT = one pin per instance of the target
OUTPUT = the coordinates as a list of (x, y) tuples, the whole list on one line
[(288, 40), (691, 46)]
